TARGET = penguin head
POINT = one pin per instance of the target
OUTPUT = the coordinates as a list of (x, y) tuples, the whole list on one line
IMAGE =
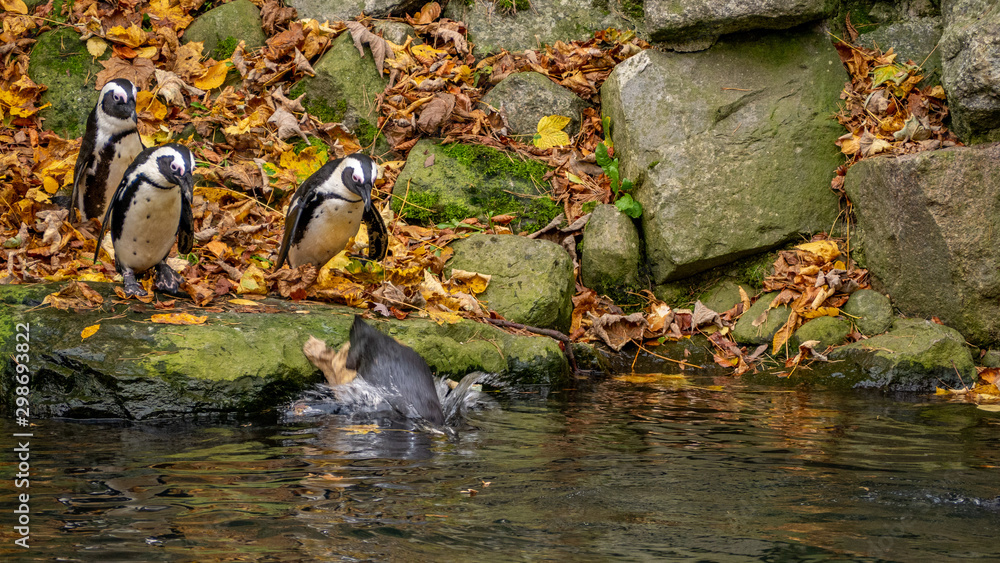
[(118, 99), (176, 164), (359, 175)]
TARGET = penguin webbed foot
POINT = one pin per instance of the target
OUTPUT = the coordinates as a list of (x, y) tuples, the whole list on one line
[(132, 287), (167, 280)]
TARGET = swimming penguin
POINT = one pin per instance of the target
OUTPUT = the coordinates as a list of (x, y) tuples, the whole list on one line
[(326, 211), (110, 143), (151, 207), (399, 372)]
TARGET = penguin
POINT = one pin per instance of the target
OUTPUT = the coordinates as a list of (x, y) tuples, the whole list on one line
[(401, 375), (151, 206), (326, 211), (110, 143)]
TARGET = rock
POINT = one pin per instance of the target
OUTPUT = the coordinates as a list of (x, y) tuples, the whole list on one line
[(394, 31), (970, 56), (536, 23), (610, 252), (527, 97), (345, 86), (696, 24), (237, 362), (991, 359), (759, 104), (745, 333), (532, 279), (344, 10), (455, 181), (223, 27), (915, 355), (915, 40), (60, 61), (925, 224), (724, 295), (830, 331), (870, 311)]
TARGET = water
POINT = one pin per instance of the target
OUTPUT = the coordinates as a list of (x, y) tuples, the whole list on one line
[(664, 469)]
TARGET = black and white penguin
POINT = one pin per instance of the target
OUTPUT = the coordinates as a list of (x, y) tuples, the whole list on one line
[(327, 210), (109, 145), (396, 370), (151, 207)]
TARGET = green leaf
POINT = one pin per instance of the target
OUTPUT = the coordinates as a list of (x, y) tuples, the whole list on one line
[(627, 185), (886, 73), (629, 206), (611, 171), (601, 156)]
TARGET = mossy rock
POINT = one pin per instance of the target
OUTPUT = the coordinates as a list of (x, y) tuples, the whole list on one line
[(60, 61), (745, 333), (724, 295), (222, 28), (345, 85), (870, 311), (527, 97), (442, 183), (532, 280), (830, 331), (611, 252)]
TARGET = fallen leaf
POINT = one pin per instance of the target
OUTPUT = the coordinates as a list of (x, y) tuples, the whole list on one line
[(380, 48), (550, 132), (178, 319), (89, 331)]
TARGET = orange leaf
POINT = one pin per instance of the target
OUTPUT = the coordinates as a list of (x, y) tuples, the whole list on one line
[(89, 331), (178, 319)]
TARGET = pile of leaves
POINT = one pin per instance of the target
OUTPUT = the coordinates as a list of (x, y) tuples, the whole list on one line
[(886, 111)]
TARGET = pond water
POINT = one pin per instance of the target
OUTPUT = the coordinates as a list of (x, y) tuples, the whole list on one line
[(665, 468)]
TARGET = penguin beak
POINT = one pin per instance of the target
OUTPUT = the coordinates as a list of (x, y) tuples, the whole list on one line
[(186, 183), (366, 195)]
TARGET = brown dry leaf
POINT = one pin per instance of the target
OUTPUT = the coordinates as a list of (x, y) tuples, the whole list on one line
[(617, 330), (428, 13), (274, 15), (785, 332), (187, 65), (380, 47), (332, 363), (139, 71), (436, 112), (171, 88), (178, 319), (288, 125), (703, 315)]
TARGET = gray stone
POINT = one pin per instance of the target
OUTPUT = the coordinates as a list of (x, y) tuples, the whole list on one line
[(724, 295), (970, 53), (731, 149), (915, 40), (610, 252), (452, 182), (527, 97), (546, 22), (927, 224), (60, 61), (745, 333), (345, 86), (991, 359), (532, 279), (915, 355), (695, 24), (830, 331), (869, 311), (237, 362), (221, 28), (344, 10), (394, 31)]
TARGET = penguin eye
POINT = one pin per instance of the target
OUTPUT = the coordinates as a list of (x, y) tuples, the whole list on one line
[(176, 167), (358, 178), (119, 97)]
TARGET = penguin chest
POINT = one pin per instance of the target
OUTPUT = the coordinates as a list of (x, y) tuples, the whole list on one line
[(149, 227), (119, 159), (326, 233)]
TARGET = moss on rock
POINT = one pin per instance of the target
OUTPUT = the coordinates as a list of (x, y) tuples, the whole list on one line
[(60, 61)]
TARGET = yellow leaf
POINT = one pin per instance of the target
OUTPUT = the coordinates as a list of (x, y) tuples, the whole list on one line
[(472, 281), (38, 195), (255, 119), (309, 160), (163, 14), (146, 52), (15, 7), (213, 77), (133, 36), (550, 132), (89, 331), (96, 46), (252, 281), (573, 178), (444, 317), (178, 319), (785, 332), (827, 250), (989, 408), (93, 277), (821, 312), (426, 54), (49, 184), (244, 302)]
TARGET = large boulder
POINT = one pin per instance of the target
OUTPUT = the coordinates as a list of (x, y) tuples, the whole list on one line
[(530, 25), (60, 61), (970, 52), (915, 355), (451, 182), (243, 360), (915, 40), (222, 28), (696, 24), (532, 279), (611, 252), (527, 97), (731, 148), (926, 222)]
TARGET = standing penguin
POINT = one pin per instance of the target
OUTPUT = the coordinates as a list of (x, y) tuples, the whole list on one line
[(109, 145), (151, 206), (326, 211)]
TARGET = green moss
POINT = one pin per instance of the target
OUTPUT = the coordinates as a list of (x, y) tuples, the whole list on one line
[(512, 6), (491, 162), (633, 9), (366, 133), (225, 48), (327, 113), (297, 90), (419, 206), (313, 142)]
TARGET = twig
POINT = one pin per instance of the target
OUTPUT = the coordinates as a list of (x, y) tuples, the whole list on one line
[(554, 334), (681, 362)]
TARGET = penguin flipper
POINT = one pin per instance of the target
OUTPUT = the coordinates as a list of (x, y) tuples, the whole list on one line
[(293, 222), (378, 236), (104, 227), (185, 229)]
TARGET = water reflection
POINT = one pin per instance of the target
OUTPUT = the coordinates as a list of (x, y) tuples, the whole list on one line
[(665, 468)]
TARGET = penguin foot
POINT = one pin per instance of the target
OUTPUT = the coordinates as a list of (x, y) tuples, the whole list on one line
[(132, 287), (167, 280)]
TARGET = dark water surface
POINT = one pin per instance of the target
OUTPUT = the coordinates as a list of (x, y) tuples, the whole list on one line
[(662, 470)]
